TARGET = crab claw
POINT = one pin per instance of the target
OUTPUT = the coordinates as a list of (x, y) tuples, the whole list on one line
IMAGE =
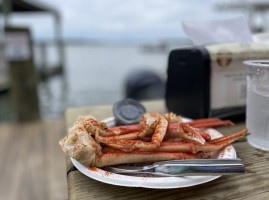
[(185, 131)]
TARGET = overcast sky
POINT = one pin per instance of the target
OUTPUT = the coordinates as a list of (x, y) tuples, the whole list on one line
[(120, 19)]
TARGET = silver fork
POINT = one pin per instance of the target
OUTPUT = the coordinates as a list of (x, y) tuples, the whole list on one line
[(194, 167)]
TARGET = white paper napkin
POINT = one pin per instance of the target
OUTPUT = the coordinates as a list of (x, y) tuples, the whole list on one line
[(218, 31)]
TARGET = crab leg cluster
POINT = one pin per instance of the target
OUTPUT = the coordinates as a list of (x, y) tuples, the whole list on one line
[(157, 137)]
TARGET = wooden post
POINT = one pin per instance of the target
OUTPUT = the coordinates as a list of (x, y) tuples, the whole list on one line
[(23, 78), (6, 9)]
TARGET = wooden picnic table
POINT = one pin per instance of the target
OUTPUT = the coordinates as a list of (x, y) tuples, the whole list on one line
[(252, 185)]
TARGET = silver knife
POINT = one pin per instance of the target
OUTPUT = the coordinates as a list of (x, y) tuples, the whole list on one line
[(196, 167)]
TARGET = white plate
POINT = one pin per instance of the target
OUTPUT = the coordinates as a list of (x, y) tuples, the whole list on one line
[(154, 182)]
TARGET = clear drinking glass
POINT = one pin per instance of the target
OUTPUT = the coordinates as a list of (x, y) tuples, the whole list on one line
[(257, 115)]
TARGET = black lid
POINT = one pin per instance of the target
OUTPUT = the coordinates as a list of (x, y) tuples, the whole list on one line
[(128, 111)]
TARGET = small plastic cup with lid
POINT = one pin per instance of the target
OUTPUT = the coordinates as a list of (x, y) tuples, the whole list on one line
[(128, 111)]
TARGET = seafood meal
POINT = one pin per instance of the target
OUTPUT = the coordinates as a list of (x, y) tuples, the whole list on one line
[(157, 137)]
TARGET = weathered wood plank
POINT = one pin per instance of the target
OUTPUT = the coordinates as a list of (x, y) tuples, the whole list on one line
[(32, 164)]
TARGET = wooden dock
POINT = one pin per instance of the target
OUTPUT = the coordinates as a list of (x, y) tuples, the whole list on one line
[(32, 163)]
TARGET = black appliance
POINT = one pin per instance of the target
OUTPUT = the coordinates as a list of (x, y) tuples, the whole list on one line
[(210, 81)]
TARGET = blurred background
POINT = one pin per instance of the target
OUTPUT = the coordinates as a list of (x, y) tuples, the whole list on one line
[(60, 54), (86, 53)]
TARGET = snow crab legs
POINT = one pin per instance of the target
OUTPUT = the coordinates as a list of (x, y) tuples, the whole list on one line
[(89, 141), (149, 126)]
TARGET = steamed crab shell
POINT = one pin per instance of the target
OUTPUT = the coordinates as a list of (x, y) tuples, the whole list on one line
[(79, 145)]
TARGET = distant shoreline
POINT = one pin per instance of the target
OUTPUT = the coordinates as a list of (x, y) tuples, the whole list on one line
[(104, 42)]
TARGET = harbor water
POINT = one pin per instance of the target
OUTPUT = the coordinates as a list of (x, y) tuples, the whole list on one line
[(94, 75)]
